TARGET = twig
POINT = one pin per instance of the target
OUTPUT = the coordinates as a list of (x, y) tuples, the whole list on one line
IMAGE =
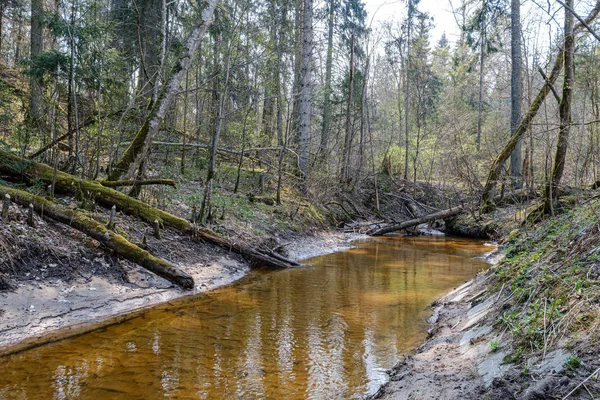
[(578, 386), (545, 338), (581, 20), (554, 92), (590, 393), (500, 293)]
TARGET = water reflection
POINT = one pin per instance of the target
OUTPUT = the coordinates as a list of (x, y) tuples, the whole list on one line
[(329, 331)]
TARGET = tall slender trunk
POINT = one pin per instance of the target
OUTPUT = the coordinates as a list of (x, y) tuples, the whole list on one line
[(516, 159), (2, 7), (185, 110), (345, 175), (325, 126), (221, 87), (481, 73), (71, 106), (304, 107), (407, 90), (19, 38), (363, 118), (564, 110), (278, 77), (36, 103), (163, 50), (298, 62)]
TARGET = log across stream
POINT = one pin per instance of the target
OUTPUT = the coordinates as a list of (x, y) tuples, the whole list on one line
[(326, 331)]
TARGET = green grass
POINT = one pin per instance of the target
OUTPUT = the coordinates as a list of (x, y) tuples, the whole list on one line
[(548, 273)]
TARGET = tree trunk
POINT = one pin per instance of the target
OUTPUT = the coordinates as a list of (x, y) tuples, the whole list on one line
[(564, 111), (184, 136), (325, 127), (298, 62), (345, 175), (481, 73), (150, 26), (516, 159), (101, 233), (112, 184), (407, 90), (305, 89), (501, 158), (139, 147), (220, 90), (2, 6), (36, 104), (364, 126), (417, 221)]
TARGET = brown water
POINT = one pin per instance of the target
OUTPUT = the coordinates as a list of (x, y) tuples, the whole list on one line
[(325, 332)]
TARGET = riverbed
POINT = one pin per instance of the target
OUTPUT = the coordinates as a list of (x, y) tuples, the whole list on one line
[(330, 330)]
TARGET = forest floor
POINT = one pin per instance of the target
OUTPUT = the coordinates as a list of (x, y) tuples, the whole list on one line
[(528, 328)]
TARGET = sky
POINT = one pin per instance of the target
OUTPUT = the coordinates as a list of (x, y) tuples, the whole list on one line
[(440, 10)]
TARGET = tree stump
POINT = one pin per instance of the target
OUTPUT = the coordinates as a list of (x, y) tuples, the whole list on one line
[(111, 221), (5, 206), (30, 220), (156, 226)]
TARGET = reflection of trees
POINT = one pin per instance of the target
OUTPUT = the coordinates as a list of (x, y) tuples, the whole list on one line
[(331, 329)]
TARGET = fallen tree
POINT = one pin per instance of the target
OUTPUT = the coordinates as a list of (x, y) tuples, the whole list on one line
[(497, 165), (113, 184), (102, 234), (32, 171), (417, 221)]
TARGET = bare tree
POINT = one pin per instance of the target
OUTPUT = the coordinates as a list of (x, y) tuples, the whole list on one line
[(36, 104), (564, 111), (305, 89), (516, 159)]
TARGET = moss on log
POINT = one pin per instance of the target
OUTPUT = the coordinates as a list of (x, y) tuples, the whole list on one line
[(417, 221), (99, 232), (114, 184), (466, 225), (34, 172)]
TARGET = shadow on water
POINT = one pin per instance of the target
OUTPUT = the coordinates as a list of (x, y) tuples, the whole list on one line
[(328, 331)]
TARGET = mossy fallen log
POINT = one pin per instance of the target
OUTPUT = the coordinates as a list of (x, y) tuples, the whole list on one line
[(99, 232), (34, 172), (417, 221), (467, 225), (114, 184)]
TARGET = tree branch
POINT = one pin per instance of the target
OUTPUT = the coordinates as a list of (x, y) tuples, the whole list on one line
[(554, 92)]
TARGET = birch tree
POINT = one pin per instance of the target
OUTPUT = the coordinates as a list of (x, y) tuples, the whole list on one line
[(139, 147)]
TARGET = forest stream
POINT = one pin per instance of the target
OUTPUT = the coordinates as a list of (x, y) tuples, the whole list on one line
[(327, 331)]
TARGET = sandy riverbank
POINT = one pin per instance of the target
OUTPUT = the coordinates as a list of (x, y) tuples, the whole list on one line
[(464, 356), (45, 311)]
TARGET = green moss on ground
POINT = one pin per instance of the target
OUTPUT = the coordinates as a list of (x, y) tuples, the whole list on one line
[(551, 284)]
